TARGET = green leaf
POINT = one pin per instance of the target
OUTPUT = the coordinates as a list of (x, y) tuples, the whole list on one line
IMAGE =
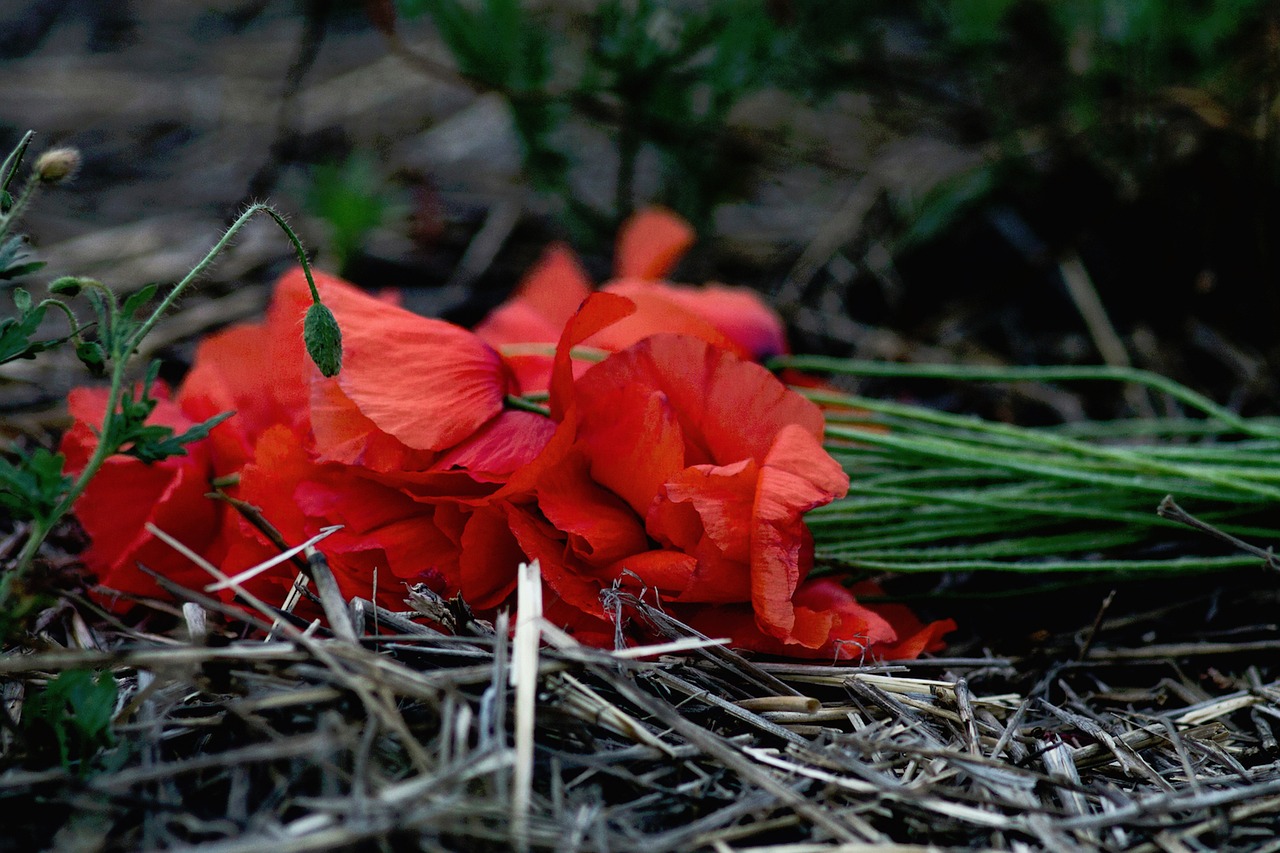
[(69, 722), (17, 334), (154, 443), (11, 163), (129, 433), (33, 485), (15, 259), (139, 298)]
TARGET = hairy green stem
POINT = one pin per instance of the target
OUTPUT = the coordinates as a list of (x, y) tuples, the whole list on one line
[(72, 320), (208, 259), (119, 363), (40, 528), (19, 205)]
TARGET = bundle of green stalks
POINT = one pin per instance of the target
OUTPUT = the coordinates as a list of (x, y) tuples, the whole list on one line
[(937, 492)]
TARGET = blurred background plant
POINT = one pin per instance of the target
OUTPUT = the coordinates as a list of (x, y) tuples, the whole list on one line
[(1130, 87), (907, 179), (351, 199)]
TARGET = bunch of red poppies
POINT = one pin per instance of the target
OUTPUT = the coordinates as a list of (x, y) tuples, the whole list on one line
[(667, 462)]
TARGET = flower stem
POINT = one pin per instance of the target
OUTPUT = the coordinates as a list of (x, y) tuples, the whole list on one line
[(196, 271), (19, 205), (41, 528)]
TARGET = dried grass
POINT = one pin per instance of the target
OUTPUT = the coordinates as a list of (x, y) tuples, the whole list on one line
[(369, 729)]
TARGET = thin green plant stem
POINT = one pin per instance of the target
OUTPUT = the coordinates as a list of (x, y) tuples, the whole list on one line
[(1064, 373), (920, 534), (1061, 506), (136, 338), (1039, 546), (42, 527), (1132, 458), (1178, 565), (1153, 428), (1194, 479), (20, 203)]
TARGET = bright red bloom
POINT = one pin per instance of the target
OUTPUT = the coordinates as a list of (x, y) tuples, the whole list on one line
[(405, 446), (649, 246), (127, 494), (682, 466), (402, 448), (675, 465)]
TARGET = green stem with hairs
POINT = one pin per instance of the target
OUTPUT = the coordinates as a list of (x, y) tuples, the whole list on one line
[(136, 338), (41, 528)]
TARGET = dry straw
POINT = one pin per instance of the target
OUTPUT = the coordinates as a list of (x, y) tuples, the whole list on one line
[(369, 727)]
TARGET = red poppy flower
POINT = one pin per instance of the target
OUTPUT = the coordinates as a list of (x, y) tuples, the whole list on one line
[(402, 451), (389, 537), (127, 494), (649, 246), (683, 467)]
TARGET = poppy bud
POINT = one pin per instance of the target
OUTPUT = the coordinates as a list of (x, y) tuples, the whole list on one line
[(323, 339), (57, 165)]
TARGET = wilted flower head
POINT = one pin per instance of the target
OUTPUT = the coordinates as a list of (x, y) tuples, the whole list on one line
[(57, 165)]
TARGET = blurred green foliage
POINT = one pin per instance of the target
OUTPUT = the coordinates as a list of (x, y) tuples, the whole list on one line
[(352, 199), (1129, 85)]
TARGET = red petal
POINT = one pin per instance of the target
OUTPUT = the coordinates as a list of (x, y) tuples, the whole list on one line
[(668, 572), (656, 313), (632, 437), (829, 623), (796, 477), (518, 322), (438, 368), (711, 502), (489, 558), (342, 433), (555, 287), (650, 244), (247, 369), (738, 313), (563, 573), (600, 528), (913, 637), (509, 442), (597, 312), (730, 409)]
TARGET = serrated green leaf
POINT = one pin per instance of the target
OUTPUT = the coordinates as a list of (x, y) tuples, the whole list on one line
[(154, 443), (33, 485), (71, 719), (16, 336)]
